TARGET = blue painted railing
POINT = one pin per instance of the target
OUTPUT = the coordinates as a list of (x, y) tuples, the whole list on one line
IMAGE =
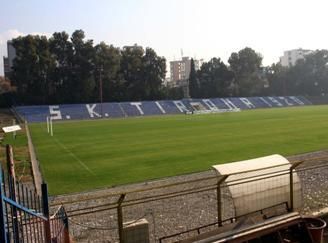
[(24, 215)]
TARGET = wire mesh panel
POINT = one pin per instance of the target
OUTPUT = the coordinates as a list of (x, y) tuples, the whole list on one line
[(169, 215), (227, 205), (314, 181), (94, 220)]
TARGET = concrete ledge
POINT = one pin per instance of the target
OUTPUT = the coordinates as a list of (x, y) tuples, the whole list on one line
[(136, 231), (37, 176)]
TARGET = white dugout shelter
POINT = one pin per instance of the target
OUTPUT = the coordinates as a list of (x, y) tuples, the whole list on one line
[(261, 183)]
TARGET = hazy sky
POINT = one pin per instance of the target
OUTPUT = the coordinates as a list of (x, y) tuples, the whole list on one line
[(202, 28)]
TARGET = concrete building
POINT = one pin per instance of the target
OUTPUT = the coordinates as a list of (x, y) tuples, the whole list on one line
[(290, 57), (180, 70), (179, 73), (8, 62)]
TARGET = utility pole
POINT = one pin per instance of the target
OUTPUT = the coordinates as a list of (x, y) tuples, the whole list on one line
[(100, 90), (284, 87)]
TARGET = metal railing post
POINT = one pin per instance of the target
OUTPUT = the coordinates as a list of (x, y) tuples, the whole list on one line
[(291, 185), (219, 201), (66, 230), (45, 206), (120, 218), (3, 234), (12, 189)]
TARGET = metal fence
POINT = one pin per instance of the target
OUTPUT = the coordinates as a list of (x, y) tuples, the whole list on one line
[(24, 215), (59, 226), (188, 206)]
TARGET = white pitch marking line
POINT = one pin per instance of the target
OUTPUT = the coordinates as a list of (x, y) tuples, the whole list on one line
[(74, 156)]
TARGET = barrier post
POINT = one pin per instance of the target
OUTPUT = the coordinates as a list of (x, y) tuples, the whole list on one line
[(219, 201), (120, 218), (3, 234), (291, 185), (45, 207), (66, 230), (12, 189)]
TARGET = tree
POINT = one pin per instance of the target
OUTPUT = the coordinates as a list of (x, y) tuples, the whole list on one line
[(62, 50), (131, 72), (309, 76), (73, 76), (214, 79), (312, 74), (32, 65), (68, 69), (142, 73), (6, 92), (246, 66), (107, 64), (83, 68), (153, 73), (277, 78), (174, 93), (5, 85), (193, 82)]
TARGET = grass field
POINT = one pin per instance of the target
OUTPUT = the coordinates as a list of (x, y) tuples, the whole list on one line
[(85, 155)]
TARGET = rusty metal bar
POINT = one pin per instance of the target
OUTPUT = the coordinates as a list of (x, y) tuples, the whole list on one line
[(3, 233), (45, 206), (120, 218), (136, 191), (12, 189), (219, 201), (132, 202)]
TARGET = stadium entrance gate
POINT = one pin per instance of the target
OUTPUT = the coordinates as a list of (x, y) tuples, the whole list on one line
[(24, 215)]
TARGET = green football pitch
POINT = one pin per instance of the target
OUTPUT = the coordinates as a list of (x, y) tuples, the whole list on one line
[(84, 155)]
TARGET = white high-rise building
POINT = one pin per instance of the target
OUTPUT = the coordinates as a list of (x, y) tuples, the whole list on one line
[(290, 57)]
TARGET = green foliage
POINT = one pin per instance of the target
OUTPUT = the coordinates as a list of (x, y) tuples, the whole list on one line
[(246, 66), (215, 79), (153, 74), (194, 88), (175, 93), (32, 67), (67, 69), (93, 154), (308, 77), (108, 60), (71, 69)]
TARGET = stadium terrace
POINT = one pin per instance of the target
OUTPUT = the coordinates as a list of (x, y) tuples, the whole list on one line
[(147, 108)]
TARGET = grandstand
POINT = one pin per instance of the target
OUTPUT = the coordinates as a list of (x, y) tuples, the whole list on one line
[(149, 108)]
